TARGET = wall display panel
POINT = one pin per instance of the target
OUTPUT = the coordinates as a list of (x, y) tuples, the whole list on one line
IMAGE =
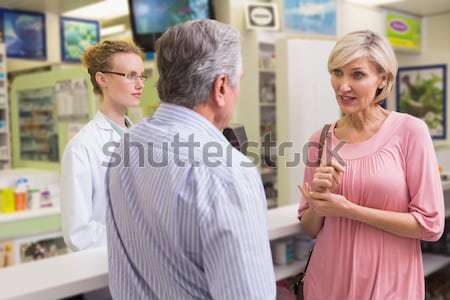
[(150, 18), (76, 36), (24, 34), (404, 32), (422, 92), (311, 16)]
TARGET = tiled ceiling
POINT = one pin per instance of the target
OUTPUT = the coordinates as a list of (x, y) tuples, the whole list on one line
[(421, 7), (52, 6)]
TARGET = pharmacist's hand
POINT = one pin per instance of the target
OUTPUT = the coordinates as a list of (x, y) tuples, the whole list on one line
[(327, 177), (326, 204)]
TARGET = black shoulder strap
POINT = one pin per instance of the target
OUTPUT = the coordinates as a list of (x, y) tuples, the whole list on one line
[(323, 136)]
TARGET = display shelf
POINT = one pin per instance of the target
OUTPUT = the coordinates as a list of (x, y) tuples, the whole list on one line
[(30, 222), (283, 222), (434, 262), (267, 103), (29, 214), (5, 147), (292, 269), (265, 70), (267, 110)]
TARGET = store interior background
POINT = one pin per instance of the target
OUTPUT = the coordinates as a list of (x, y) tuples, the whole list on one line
[(285, 90)]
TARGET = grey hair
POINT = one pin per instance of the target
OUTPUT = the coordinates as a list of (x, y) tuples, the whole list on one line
[(191, 56)]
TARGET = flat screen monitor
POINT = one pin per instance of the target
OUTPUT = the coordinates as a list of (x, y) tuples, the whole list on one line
[(24, 34), (150, 18)]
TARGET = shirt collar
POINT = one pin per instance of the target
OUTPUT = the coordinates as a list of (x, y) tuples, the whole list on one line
[(189, 118), (105, 123), (100, 120)]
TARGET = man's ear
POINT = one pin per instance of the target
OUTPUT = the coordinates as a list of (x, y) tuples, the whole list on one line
[(100, 79), (219, 88)]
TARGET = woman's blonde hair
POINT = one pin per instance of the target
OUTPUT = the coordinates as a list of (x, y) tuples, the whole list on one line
[(365, 43), (98, 58)]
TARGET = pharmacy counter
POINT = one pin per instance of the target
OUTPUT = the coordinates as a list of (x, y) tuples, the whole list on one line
[(56, 277), (84, 271)]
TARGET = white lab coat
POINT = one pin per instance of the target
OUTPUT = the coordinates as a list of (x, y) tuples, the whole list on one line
[(83, 188)]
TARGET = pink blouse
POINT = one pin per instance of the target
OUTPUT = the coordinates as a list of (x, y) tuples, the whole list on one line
[(394, 170)]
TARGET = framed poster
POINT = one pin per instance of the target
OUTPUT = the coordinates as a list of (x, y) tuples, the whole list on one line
[(76, 36), (404, 32), (261, 16), (24, 34), (311, 16), (422, 92)]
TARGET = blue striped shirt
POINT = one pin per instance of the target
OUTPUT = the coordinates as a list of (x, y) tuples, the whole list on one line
[(183, 223)]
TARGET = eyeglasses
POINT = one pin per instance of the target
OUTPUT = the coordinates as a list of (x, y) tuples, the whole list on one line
[(130, 76)]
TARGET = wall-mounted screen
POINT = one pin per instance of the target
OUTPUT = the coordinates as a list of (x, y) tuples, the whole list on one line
[(150, 18)]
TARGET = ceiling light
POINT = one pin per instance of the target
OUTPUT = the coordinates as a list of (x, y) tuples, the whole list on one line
[(106, 9), (112, 30), (373, 2)]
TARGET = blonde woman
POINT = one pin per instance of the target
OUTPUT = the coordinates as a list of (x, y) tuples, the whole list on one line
[(116, 69), (369, 212)]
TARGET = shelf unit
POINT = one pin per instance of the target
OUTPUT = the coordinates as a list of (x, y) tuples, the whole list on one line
[(38, 125), (30, 223), (29, 214), (267, 121), (5, 139)]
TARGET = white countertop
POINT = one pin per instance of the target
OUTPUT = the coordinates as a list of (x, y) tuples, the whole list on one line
[(84, 271), (56, 277)]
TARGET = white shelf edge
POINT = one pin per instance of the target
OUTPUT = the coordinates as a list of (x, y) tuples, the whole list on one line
[(434, 262), (292, 269), (262, 70), (282, 222), (267, 103), (29, 214)]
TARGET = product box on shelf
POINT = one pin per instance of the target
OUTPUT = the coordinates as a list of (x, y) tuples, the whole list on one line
[(287, 250), (6, 254), (22, 190), (39, 247)]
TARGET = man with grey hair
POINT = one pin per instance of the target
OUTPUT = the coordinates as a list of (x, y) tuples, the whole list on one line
[(187, 212)]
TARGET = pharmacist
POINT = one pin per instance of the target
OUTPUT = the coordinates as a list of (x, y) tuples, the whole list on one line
[(116, 69)]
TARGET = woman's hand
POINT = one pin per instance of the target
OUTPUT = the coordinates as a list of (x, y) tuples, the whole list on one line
[(327, 178), (326, 204)]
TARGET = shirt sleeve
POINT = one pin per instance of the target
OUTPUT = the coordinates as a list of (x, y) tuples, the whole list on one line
[(234, 235), (80, 230), (424, 183)]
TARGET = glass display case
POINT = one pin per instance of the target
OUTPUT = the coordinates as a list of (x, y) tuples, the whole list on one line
[(268, 135), (45, 107), (38, 125)]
